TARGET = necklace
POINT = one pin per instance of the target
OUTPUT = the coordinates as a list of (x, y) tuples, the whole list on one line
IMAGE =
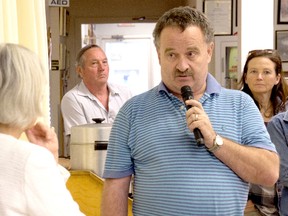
[(268, 112)]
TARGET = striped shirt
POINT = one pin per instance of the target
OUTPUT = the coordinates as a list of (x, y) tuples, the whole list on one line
[(173, 176)]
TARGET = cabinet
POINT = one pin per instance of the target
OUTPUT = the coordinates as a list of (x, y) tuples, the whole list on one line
[(226, 61)]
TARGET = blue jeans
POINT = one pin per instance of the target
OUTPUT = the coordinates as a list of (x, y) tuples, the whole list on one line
[(284, 202)]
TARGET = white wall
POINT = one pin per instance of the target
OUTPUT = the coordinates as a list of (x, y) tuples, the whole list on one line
[(256, 26), (128, 32)]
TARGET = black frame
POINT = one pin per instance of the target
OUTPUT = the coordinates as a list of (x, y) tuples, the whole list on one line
[(281, 44), (282, 11)]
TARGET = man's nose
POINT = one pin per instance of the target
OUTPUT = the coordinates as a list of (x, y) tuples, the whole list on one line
[(101, 65), (182, 64)]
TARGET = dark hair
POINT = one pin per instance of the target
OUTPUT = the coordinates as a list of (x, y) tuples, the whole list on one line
[(279, 92), (79, 58), (183, 17)]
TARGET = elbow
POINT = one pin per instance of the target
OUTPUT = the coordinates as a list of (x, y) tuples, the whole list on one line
[(272, 174), (271, 178)]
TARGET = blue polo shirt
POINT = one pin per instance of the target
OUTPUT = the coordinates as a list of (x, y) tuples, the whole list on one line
[(173, 176)]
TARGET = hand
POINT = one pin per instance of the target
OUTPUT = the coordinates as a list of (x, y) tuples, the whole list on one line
[(197, 118), (40, 134)]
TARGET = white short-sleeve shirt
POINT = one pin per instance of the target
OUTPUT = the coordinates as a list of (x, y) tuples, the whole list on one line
[(79, 106)]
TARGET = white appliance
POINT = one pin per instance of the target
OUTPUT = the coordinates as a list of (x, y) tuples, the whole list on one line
[(88, 146)]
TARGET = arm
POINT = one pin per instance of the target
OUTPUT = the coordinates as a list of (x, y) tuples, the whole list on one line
[(115, 197), (254, 165), (278, 134), (40, 134), (73, 114)]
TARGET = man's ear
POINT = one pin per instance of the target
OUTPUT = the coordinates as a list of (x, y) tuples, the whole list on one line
[(210, 48), (79, 71), (158, 55)]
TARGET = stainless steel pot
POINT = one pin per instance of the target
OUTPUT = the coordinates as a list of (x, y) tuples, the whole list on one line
[(88, 146)]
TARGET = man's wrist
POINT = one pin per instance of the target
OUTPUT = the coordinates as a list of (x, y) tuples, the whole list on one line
[(217, 144)]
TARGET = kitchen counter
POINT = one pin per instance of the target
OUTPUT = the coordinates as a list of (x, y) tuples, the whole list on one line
[(86, 189)]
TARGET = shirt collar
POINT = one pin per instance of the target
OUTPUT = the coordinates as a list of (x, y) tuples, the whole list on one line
[(285, 117), (83, 90), (114, 90), (212, 87)]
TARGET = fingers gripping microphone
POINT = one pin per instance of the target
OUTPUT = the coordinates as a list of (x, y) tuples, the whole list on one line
[(187, 94)]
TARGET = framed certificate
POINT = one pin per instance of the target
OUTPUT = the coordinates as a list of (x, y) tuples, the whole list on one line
[(219, 12), (282, 12), (282, 44)]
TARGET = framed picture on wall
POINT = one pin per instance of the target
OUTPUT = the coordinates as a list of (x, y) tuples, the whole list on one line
[(285, 70), (282, 12), (282, 44), (219, 13)]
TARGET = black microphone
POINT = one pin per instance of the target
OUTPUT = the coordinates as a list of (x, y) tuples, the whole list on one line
[(187, 94)]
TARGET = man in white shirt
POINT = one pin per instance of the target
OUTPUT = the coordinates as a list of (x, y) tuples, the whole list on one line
[(93, 97)]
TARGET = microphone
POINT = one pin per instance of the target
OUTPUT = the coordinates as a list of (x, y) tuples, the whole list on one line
[(187, 94)]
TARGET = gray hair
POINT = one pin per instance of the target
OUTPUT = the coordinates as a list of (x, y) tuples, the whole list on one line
[(80, 59), (184, 17), (22, 86)]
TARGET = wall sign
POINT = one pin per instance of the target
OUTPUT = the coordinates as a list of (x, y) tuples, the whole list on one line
[(59, 3), (55, 65)]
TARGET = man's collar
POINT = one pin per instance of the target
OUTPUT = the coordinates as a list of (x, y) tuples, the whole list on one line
[(285, 117), (212, 86), (83, 90)]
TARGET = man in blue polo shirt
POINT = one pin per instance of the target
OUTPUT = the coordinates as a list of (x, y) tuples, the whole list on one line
[(152, 136)]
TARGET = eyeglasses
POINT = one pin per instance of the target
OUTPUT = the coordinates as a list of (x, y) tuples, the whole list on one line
[(261, 51)]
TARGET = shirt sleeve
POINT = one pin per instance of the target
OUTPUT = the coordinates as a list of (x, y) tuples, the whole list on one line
[(254, 131), (278, 129), (118, 162), (45, 187), (72, 113)]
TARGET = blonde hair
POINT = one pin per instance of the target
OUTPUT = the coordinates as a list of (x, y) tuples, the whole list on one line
[(22, 86)]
